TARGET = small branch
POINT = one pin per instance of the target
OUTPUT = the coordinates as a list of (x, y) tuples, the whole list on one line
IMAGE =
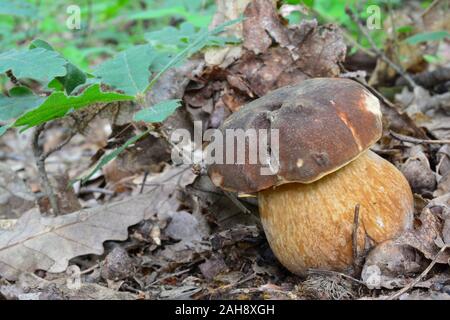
[(11, 77), (420, 277), (40, 164), (379, 53), (403, 138), (59, 146), (355, 235), (228, 286)]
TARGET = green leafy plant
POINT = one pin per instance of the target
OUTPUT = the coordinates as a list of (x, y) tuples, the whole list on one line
[(38, 64), (67, 88)]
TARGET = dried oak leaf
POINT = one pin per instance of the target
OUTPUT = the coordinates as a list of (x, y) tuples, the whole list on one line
[(312, 51), (262, 27), (48, 243)]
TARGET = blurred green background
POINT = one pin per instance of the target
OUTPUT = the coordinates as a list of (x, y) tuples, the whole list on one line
[(108, 26)]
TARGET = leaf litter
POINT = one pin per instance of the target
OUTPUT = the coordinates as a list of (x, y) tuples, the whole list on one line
[(184, 238)]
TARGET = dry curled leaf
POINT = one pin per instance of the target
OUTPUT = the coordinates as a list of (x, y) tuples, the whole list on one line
[(262, 27)]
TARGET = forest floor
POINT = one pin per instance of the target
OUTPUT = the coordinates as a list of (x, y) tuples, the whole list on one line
[(179, 237)]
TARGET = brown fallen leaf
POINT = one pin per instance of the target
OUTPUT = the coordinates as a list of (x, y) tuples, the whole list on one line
[(48, 243), (262, 27), (15, 196), (418, 173)]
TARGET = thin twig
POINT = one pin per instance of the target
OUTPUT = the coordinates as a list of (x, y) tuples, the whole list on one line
[(167, 277), (340, 274), (403, 138), (11, 77), (420, 277), (236, 201), (229, 286), (355, 235), (59, 146), (143, 181), (40, 164), (380, 53)]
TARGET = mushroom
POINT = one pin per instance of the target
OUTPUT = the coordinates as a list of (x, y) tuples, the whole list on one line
[(325, 170)]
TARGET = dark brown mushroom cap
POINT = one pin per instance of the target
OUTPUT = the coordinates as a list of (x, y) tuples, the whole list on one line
[(323, 123)]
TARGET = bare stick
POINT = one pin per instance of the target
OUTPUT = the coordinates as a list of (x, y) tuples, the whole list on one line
[(403, 138), (355, 235), (420, 277), (40, 164), (380, 53)]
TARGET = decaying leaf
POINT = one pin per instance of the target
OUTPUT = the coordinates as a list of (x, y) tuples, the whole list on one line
[(49, 243), (262, 26), (15, 196)]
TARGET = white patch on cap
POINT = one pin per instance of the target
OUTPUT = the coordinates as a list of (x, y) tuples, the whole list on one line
[(299, 162), (379, 222), (372, 103)]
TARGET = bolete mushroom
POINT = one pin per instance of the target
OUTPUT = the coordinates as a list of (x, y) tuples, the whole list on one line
[(325, 169)]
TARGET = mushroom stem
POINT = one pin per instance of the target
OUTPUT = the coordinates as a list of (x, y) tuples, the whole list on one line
[(310, 225)]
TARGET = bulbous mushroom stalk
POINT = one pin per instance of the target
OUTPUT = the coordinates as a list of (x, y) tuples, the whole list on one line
[(311, 225), (325, 169)]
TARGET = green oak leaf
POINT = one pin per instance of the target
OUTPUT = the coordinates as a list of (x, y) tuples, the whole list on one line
[(21, 99), (38, 64), (74, 76), (129, 70), (158, 112), (58, 104)]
